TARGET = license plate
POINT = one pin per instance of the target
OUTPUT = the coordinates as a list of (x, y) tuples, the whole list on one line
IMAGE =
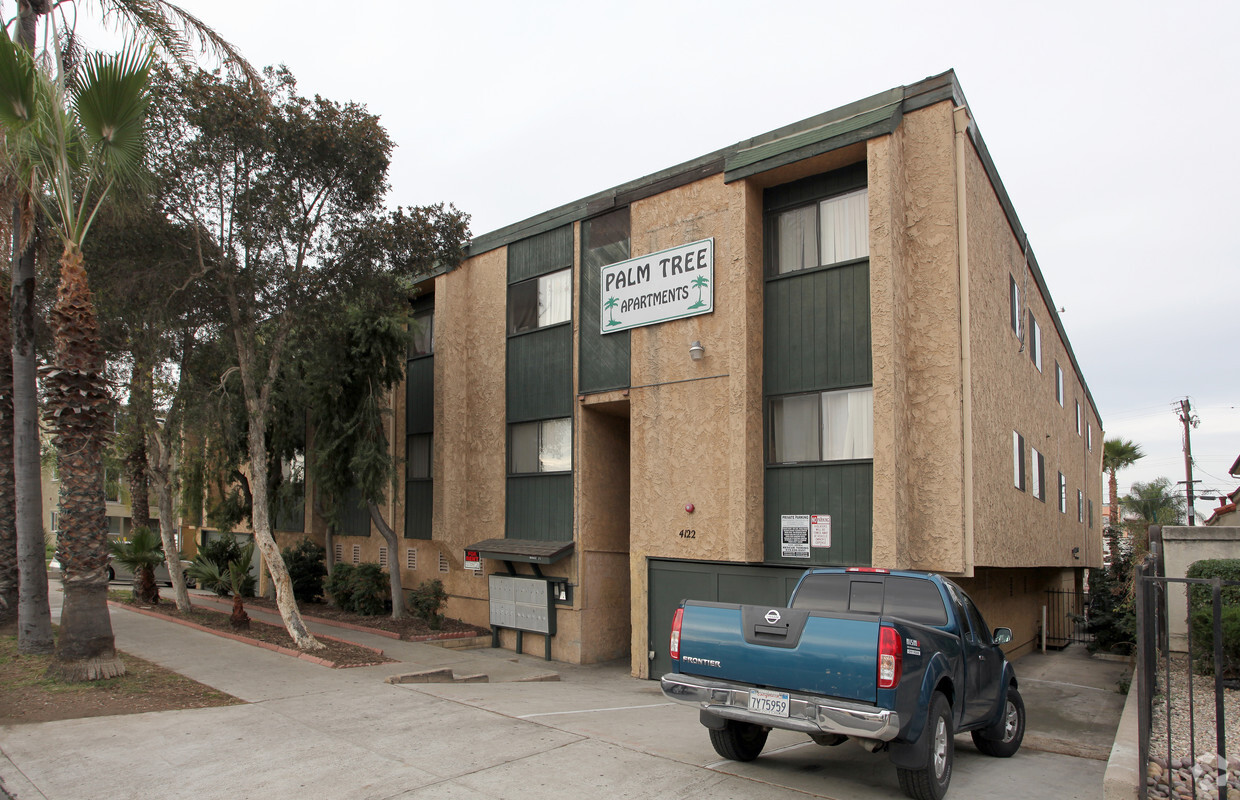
[(774, 704)]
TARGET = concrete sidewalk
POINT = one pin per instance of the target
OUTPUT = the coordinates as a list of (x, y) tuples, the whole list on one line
[(313, 732)]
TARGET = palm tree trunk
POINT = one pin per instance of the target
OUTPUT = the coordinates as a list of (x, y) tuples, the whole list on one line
[(34, 614), (8, 499), (1113, 508), (77, 403), (389, 536)]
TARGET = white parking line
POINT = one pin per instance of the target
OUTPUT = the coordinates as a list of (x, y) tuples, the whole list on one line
[(592, 710)]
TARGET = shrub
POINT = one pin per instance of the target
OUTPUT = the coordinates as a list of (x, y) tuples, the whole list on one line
[(427, 602), (211, 567), (1112, 611), (339, 586), (1201, 615), (306, 570), (361, 589)]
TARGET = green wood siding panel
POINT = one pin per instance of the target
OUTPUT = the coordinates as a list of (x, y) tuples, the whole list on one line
[(814, 188), (540, 374), (845, 491), (420, 395), (818, 330), (538, 255), (540, 507), (354, 518), (674, 581), (418, 508), (604, 358)]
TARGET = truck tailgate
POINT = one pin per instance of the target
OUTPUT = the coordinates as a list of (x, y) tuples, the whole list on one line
[(745, 644)]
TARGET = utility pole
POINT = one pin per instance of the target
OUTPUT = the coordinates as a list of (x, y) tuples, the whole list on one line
[(1190, 421)]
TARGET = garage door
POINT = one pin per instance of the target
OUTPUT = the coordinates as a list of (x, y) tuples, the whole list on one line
[(673, 581)]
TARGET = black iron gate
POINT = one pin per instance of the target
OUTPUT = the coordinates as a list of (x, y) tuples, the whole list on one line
[(1065, 619), (1169, 678)]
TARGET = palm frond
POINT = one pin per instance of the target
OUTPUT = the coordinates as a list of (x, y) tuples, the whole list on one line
[(18, 77), (111, 102)]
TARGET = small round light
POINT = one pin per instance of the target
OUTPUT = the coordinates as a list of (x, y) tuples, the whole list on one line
[(689, 508)]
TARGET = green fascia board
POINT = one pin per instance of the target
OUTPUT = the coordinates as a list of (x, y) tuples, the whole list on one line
[(822, 139)]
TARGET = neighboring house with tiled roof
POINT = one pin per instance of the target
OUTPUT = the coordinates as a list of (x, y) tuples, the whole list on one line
[(1226, 513)]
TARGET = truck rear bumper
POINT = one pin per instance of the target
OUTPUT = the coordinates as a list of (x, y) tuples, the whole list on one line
[(806, 713)]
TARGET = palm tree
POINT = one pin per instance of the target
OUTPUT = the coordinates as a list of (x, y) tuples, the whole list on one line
[(69, 146), (610, 306), (1153, 503), (141, 555), (174, 33), (1118, 454), (700, 283)]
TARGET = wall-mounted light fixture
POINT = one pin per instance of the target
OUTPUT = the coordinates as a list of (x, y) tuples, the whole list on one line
[(1076, 553), (696, 351)]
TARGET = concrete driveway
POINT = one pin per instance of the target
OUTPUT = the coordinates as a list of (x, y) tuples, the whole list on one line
[(312, 732)]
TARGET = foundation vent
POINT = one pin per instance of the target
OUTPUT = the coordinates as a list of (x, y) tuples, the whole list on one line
[(383, 558), (411, 558), (443, 562), (357, 554), (339, 552)]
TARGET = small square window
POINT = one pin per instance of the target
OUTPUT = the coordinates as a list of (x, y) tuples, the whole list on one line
[(540, 302), (545, 446)]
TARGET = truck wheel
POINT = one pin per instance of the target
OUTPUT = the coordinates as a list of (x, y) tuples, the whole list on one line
[(931, 781), (739, 741), (1003, 740)]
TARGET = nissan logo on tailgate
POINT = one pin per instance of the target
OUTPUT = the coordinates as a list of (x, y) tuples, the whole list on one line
[(772, 616)]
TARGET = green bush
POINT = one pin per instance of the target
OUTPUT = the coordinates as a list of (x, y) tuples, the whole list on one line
[(361, 589), (339, 586), (427, 601), (1112, 611), (306, 570), (1201, 615), (221, 553)]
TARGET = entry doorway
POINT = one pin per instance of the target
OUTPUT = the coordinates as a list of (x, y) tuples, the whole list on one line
[(603, 531)]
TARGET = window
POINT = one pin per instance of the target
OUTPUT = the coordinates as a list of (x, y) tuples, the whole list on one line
[(540, 302), (1091, 513), (828, 232), (1035, 342), (1089, 436), (822, 426), (1014, 304), (1037, 477), (1018, 460), (1080, 506), (1058, 384), (1078, 417), (55, 521), (418, 454), (422, 341), (1063, 494), (544, 446)]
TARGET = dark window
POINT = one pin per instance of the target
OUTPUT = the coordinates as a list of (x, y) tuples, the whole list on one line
[(915, 600), (418, 452), (544, 446), (1035, 342), (540, 302), (977, 623), (865, 597), (1014, 304), (823, 593), (422, 340)]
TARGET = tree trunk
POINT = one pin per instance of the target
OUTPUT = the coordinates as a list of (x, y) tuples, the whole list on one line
[(238, 619), (389, 536), (77, 408), (1113, 509), (34, 615), (145, 590), (139, 496), (163, 470), (8, 499), (267, 543)]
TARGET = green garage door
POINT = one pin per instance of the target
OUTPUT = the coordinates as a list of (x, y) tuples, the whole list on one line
[(673, 581)]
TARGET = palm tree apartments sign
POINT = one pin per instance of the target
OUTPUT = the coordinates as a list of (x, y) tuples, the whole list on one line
[(660, 287)]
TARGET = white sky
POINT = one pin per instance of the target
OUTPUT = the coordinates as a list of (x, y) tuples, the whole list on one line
[(1112, 124)]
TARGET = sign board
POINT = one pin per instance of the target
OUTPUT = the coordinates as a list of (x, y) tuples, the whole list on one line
[(671, 284), (820, 530), (473, 560), (794, 536), (521, 603)]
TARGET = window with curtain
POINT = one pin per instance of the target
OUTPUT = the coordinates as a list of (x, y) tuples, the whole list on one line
[(822, 426), (543, 446), (828, 232), (540, 302), (422, 342)]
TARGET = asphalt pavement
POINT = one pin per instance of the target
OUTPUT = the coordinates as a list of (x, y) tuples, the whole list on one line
[(537, 730)]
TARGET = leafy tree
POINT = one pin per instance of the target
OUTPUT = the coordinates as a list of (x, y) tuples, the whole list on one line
[(1153, 503), (141, 555), (1118, 454), (289, 192), (76, 141), (174, 33), (306, 570)]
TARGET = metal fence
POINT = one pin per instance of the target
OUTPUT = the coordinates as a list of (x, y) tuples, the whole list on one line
[(1065, 618), (1165, 682)]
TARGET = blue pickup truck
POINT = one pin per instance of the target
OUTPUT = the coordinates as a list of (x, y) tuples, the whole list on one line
[(898, 661)]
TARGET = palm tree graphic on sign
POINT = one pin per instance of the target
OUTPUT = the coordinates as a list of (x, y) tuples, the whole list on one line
[(700, 282), (609, 305)]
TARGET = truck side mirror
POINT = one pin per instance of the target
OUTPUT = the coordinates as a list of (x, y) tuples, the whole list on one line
[(1002, 635)]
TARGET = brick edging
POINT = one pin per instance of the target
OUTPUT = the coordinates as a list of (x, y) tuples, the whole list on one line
[(427, 637), (257, 642)]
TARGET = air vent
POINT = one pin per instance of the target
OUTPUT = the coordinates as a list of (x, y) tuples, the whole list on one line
[(411, 558), (383, 557), (357, 554), (443, 563), (339, 552)]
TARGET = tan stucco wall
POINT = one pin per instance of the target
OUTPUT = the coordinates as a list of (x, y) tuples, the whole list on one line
[(1013, 598), (697, 425), (1182, 546)]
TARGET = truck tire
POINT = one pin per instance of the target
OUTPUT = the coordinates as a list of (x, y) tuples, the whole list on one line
[(931, 781), (1003, 740), (739, 741)]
